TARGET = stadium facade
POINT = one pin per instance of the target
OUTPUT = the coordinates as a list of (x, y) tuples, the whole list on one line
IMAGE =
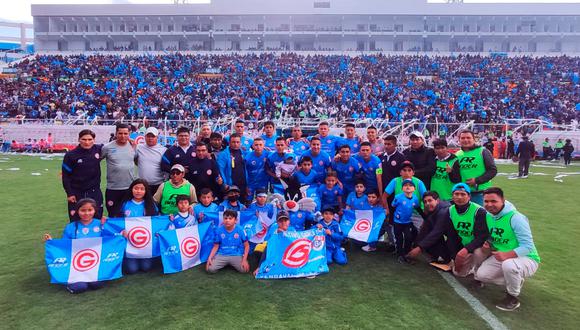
[(310, 25)]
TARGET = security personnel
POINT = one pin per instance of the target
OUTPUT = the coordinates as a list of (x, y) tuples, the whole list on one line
[(475, 165), (442, 181), (81, 174)]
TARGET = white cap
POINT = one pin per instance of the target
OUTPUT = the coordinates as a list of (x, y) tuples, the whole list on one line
[(152, 130), (417, 134)]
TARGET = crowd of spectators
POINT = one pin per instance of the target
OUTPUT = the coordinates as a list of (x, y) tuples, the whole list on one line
[(266, 86)]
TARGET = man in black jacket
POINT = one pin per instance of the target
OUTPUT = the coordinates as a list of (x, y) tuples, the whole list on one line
[(422, 157), (81, 174), (435, 210), (465, 227), (525, 153)]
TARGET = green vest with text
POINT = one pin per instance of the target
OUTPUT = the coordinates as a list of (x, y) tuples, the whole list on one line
[(170, 193), (464, 223), (503, 236), (471, 165), (440, 181)]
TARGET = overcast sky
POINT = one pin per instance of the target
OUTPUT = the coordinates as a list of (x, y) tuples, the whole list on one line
[(19, 10)]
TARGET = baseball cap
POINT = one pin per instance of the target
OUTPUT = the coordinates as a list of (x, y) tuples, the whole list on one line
[(328, 209), (408, 181), (407, 164), (282, 215), (152, 130), (461, 187), (233, 188), (288, 156), (417, 134), (178, 167)]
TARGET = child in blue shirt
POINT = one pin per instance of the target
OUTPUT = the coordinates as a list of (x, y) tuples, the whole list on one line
[(230, 246), (374, 203), (306, 175), (405, 232), (334, 237), (205, 205), (357, 200), (260, 205), (139, 201), (87, 226), (330, 193), (183, 218), (232, 201)]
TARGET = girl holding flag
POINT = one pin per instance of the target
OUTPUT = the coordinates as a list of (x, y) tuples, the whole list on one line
[(138, 203), (87, 226)]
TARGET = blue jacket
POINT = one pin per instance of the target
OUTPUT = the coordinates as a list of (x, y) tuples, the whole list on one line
[(224, 161), (333, 241)]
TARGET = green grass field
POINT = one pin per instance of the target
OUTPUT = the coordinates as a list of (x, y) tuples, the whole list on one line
[(372, 291)]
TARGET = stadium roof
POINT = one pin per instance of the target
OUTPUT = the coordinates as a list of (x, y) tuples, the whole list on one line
[(308, 7)]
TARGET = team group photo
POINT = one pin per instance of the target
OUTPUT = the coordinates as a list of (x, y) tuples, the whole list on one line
[(215, 164)]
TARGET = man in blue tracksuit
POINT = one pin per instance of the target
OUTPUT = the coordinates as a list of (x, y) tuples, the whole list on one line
[(231, 165), (81, 174), (334, 238)]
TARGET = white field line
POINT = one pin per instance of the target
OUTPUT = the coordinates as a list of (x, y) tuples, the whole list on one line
[(475, 304)]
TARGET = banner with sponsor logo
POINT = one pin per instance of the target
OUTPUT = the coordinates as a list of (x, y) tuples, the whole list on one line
[(294, 254), (363, 225), (84, 259), (142, 242), (185, 248)]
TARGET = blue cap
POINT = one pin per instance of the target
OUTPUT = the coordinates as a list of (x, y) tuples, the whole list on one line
[(408, 181), (288, 156), (461, 187)]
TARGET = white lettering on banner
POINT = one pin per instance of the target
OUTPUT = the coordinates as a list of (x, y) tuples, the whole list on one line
[(85, 255)]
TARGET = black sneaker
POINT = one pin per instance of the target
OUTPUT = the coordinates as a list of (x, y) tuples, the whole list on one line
[(509, 303)]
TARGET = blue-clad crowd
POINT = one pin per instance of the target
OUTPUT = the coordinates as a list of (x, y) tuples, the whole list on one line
[(254, 87)]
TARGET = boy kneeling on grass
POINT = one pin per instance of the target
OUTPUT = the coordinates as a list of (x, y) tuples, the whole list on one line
[(230, 247)]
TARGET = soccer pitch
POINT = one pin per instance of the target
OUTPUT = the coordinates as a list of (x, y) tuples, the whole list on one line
[(372, 291)]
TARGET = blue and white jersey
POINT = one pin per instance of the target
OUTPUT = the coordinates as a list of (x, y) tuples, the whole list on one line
[(256, 169), (268, 209), (328, 197), (357, 203), (298, 219), (369, 170), (201, 209), (320, 164), (353, 143), (329, 144), (76, 229), (404, 207), (231, 243), (182, 220), (298, 147), (307, 179), (270, 142), (225, 205), (347, 172)]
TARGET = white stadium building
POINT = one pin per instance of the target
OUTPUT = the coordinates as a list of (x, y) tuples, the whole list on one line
[(310, 25)]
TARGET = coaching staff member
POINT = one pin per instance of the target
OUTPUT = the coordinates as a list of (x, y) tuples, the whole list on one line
[(81, 173)]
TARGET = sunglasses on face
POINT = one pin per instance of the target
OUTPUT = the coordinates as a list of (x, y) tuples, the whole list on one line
[(175, 173)]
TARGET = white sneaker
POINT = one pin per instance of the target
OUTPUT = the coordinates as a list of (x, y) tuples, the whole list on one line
[(368, 248), (514, 177), (524, 177)]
